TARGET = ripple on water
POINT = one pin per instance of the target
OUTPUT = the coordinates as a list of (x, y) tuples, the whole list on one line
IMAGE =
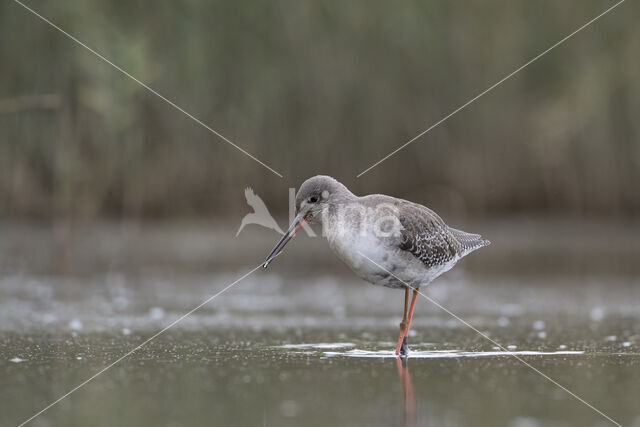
[(446, 354), (320, 346)]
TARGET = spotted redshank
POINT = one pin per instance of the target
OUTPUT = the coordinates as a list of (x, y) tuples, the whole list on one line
[(385, 240)]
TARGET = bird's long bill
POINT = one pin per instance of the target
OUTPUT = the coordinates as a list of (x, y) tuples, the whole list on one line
[(297, 223)]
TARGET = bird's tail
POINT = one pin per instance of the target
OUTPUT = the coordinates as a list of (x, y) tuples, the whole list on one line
[(469, 241)]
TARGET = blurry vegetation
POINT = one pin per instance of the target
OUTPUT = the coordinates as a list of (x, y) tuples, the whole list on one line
[(318, 87)]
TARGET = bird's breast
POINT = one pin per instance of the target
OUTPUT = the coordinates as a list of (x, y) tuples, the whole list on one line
[(372, 257)]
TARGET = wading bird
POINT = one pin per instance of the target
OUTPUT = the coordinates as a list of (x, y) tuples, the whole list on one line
[(385, 240)]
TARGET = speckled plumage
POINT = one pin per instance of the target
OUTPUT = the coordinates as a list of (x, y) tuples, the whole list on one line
[(408, 240)]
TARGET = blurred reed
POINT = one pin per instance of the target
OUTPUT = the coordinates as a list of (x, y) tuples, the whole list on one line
[(318, 87)]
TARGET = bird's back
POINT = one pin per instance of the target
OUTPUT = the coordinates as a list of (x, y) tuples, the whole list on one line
[(430, 239), (426, 246)]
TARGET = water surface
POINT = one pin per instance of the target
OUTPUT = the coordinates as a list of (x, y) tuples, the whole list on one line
[(305, 343)]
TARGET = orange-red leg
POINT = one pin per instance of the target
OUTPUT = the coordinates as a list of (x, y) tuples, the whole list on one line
[(413, 304), (406, 318), (404, 325)]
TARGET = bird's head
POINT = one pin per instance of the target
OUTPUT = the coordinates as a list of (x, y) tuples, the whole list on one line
[(314, 196)]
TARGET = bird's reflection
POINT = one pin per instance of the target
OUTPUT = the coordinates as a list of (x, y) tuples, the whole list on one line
[(409, 399)]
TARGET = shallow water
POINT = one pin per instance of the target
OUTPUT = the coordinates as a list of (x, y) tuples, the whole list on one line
[(306, 343)]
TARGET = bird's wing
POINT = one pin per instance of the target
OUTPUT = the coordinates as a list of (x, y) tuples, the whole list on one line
[(255, 201), (426, 236)]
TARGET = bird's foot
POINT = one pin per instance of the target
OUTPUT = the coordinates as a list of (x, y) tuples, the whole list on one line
[(404, 349)]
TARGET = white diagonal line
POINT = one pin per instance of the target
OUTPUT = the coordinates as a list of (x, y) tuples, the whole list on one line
[(495, 343), (137, 348), (153, 91), (508, 76)]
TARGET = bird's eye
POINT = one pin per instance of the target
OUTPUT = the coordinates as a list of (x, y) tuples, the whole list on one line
[(313, 199)]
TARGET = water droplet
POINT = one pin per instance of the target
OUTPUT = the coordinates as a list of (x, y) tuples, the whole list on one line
[(75, 324), (539, 325), (156, 313)]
